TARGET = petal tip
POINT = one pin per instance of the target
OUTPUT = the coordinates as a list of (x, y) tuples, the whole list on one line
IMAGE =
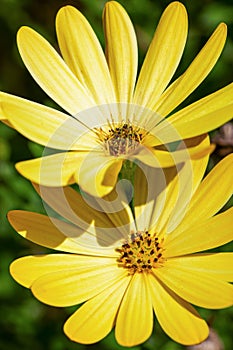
[(66, 9), (177, 5)]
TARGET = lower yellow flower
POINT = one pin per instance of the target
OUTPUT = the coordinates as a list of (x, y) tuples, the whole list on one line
[(126, 264), (110, 115)]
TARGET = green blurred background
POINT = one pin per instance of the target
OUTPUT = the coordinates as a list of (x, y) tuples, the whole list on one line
[(26, 323)]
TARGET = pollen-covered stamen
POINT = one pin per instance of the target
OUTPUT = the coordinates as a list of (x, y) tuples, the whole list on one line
[(121, 139), (141, 253)]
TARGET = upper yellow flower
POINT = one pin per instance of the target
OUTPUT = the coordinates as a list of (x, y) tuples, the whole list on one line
[(111, 117), (123, 264)]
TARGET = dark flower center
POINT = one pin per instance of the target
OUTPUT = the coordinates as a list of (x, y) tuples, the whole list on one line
[(121, 140), (142, 252)]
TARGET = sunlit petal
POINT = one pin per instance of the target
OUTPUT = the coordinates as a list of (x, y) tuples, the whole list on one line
[(194, 74), (207, 234), (75, 285), (51, 73), (196, 287), (82, 52), (53, 170), (87, 325), (163, 55), (198, 118), (97, 174), (121, 50), (218, 265), (182, 323), (44, 125), (207, 193), (134, 324), (161, 158), (40, 265)]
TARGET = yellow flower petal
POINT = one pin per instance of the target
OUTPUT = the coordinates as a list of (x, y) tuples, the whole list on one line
[(5, 121), (2, 114), (163, 55), (83, 54), (160, 158), (198, 118), (164, 201), (177, 317), (51, 73), (189, 179), (175, 197), (194, 74), (97, 174), (116, 206), (149, 195), (75, 285), (74, 207), (207, 193), (217, 265), (56, 234), (134, 321), (40, 265), (197, 288), (45, 125), (208, 234), (109, 216), (199, 165), (53, 170), (121, 50), (95, 319)]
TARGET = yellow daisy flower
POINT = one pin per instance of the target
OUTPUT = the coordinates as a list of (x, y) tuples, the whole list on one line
[(111, 117), (123, 264)]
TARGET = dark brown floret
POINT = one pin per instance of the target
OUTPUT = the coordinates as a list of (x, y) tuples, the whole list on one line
[(141, 253)]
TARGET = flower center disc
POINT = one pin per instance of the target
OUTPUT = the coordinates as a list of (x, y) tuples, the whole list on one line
[(121, 140), (141, 253)]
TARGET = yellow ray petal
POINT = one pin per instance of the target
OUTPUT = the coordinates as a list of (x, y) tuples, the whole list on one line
[(73, 206), (5, 121), (177, 317), (197, 288), (110, 217), (53, 170), (189, 179), (45, 125), (56, 234), (159, 158), (208, 234), (97, 174), (163, 55), (198, 118), (174, 199), (95, 319), (83, 54), (208, 192), (51, 73), (149, 195), (194, 74), (199, 165), (164, 190), (75, 285), (3, 117), (40, 265), (161, 196), (217, 265), (116, 206), (121, 50), (134, 321)]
